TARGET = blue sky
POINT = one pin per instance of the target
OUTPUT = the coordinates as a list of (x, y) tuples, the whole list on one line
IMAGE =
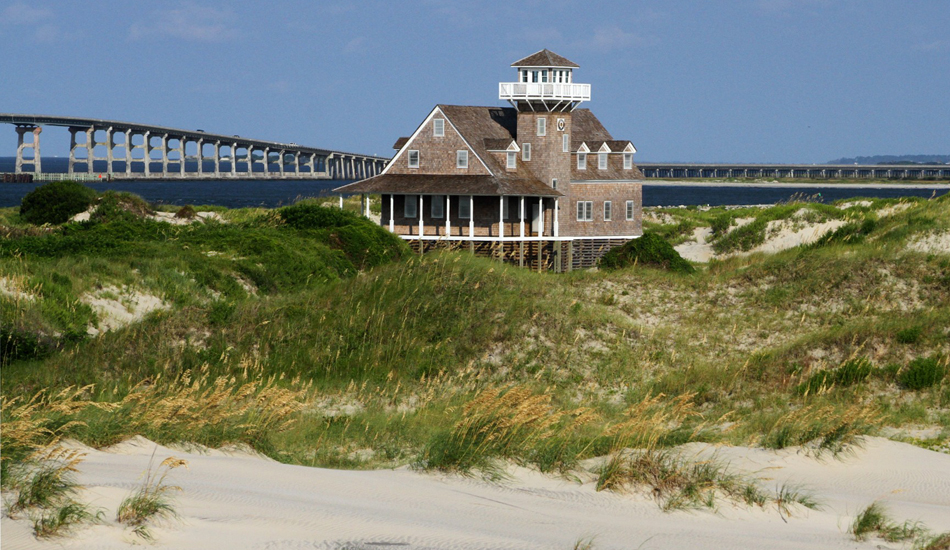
[(729, 81)]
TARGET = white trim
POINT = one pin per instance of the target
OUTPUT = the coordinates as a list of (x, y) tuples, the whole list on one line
[(583, 148), (409, 158), (608, 211), (631, 213), (629, 148), (542, 126), (585, 211), (566, 143), (582, 161), (392, 214), (628, 161), (602, 161), (516, 239), (511, 160), (604, 149)]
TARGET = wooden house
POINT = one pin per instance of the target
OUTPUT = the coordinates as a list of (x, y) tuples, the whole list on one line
[(541, 183)]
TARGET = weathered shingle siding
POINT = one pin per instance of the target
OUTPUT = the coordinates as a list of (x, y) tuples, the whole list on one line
[(437, 155)]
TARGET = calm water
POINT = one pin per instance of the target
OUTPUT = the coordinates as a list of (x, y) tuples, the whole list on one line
[(272, 193)]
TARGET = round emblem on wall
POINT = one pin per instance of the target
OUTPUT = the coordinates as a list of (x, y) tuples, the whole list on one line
[(560, 124)]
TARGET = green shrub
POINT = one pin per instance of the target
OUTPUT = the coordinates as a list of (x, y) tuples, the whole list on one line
[(116, 205), (651, 250), (56, 202), (851, 233), (922, 373), (186, 212), (310, 215), (909, 335)]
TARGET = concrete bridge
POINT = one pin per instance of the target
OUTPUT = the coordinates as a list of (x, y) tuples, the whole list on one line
[(129, 150), (796, 171)]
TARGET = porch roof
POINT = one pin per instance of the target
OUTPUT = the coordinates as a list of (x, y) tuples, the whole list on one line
[(431, 184)]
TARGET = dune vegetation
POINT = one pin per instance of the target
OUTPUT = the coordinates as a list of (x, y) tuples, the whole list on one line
[(316, 338)]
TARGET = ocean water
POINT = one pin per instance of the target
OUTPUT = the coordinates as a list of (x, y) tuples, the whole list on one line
[(273, 193)]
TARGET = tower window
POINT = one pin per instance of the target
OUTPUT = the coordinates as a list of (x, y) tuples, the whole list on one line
[(526, 152), (409, 207), (582, 161), (512, 160), (524, 76), (602, 161), (542, 126), (534, 77), (413, 159), (461, 159), (554, 183), (438, 127), (607, 209), (544, 76), (627, 161), (566, 143)]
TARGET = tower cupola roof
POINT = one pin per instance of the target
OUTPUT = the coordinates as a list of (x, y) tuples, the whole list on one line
[(545, 58)]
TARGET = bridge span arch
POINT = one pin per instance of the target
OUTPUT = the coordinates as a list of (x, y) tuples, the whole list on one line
[(143, 151)]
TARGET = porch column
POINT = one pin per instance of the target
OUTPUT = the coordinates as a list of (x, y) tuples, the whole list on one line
[(521, 217), (421, 224), (501, 217), (341, 201), (448, 215), (392, 220), (471, 215), (367, 206), (555, 218)]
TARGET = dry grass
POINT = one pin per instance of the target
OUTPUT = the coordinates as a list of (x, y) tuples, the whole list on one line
[(822, 429), (151, 500)]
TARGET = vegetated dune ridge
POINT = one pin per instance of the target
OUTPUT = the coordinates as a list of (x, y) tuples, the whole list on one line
[(250, 502), (821, 345)]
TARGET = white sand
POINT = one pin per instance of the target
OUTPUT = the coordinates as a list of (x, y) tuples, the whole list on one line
[(248, 502), (118, 307)]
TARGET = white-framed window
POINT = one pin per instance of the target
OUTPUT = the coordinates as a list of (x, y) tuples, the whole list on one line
[(565, 143), (461, 159), (602, 161), (534, 77), (554, 183), (512, 160), (413, 158), (542, 126), (409, 206), (524, 76), (607, 210), (437, 210), (526, 152), (585, 211), (544, 75), (582, 161), (627, 161), (630, 211), (465, 211), (438, 127)]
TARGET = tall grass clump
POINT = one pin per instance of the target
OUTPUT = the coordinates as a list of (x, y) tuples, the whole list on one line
[(853, 371), (151, 500), (821, 429), (874, 520), (499, 424)]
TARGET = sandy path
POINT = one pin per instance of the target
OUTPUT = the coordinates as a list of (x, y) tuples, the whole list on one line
[(247, 502)]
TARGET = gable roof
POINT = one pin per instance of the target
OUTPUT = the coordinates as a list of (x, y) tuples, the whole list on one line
[(545, 58), (451, 184)]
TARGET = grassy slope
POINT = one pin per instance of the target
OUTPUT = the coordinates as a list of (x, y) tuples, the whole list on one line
[(378, 363)]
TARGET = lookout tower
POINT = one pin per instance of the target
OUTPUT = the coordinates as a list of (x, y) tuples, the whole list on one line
[(545, 83)]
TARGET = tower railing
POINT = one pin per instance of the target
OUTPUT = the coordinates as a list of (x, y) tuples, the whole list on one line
[(513, 91)]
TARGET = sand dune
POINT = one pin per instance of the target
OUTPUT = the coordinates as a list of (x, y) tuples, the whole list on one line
[(235, 501)]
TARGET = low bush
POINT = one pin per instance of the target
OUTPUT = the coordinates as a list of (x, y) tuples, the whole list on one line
[(56, 202), (311, 215), (922, 373), (909, 335), (650, 250), (850, 372), (116, 205), (186, 212)]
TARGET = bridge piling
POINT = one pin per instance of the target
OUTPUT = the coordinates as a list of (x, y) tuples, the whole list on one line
[(22, 146)]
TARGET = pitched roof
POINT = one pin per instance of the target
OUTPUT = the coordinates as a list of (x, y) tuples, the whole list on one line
[(545, 58), (493, 144), (429, 184), (400, 143), (585, 127)]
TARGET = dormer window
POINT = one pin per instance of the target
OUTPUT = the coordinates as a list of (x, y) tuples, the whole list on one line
[(413, 159), (438, 127), (601, 161), (582, 161), (628, 161), (512, 160)]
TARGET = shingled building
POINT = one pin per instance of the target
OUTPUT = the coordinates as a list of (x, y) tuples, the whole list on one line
[(541, 183)]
